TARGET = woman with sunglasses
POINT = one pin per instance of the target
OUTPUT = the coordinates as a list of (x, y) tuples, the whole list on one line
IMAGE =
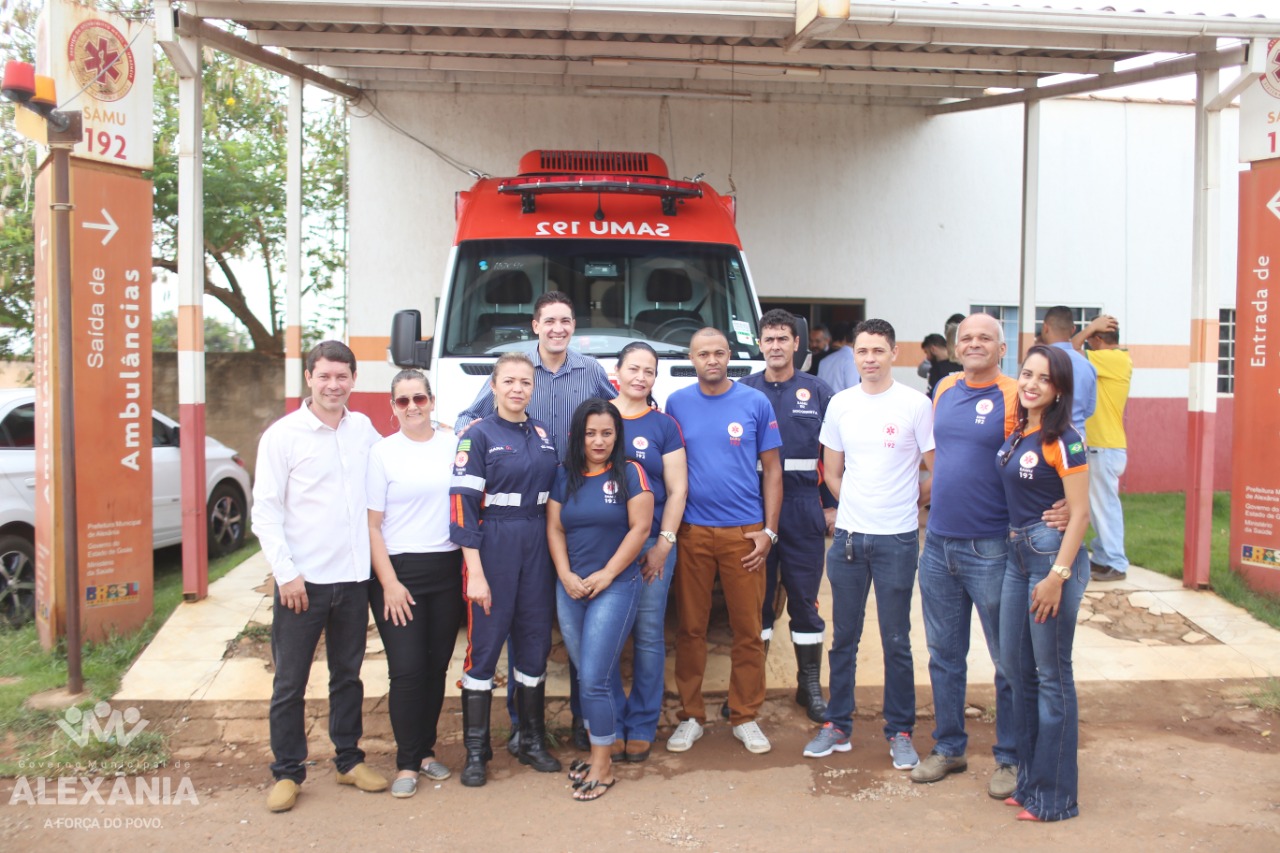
[(1043, 461), (653, 439), (502, 478), (599, 516), (417, 600)]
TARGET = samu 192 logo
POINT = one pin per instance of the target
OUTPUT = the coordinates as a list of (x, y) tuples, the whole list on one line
[(1270, 79), (101, 60), (102, 723)]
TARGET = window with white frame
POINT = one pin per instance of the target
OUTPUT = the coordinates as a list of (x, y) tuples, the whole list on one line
[(1226, 350), (1007, 315)]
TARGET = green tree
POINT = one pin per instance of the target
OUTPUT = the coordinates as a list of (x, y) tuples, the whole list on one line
[(218, 335), (244, 188), (17, 176)]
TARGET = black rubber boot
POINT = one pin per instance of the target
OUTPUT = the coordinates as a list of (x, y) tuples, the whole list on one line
[(513, 742), (475, 736), (809, 681), (533, 730)]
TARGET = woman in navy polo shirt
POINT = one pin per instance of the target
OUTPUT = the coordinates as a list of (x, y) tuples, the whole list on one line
[(1044, 460), (653, 439), (598, 518)]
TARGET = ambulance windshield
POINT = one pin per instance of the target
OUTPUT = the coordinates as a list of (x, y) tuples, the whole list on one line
[(622, 290)]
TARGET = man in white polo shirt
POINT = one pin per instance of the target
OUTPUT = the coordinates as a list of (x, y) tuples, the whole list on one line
[(874, 437)]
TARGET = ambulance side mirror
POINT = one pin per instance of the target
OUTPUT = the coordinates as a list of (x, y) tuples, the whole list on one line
[(408, 349)]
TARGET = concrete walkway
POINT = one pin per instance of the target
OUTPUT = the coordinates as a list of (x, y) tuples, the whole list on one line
[(186, 660)]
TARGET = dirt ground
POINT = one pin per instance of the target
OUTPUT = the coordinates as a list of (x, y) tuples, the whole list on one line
[(1164, 766)]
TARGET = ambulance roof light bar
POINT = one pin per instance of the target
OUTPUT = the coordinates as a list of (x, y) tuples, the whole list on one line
[(668, 189)]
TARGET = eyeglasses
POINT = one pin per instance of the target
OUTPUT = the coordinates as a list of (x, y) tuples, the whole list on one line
[(1006, 455), (419, 400)]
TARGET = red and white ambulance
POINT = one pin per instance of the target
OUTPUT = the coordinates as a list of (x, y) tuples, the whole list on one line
[(643, 256)]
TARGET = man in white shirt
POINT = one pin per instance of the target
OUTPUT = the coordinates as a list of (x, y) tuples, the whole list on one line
[(874, 437), (310, 513)]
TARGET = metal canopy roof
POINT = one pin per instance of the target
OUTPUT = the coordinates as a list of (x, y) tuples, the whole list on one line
[(881, 51)]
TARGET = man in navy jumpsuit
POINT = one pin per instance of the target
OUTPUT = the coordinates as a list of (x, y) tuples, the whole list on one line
[(800, 402)]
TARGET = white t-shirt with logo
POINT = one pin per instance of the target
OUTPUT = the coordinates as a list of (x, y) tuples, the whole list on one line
[(408, 481), (882, 437)]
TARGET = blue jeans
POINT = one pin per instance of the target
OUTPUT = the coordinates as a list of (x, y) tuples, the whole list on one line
[(854, 562), (1106, 466), (1037, 659), (594, 631), (641, 709), (957, 576)]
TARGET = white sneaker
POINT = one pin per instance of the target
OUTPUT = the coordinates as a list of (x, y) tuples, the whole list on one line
[(683, 737), (752, 738)]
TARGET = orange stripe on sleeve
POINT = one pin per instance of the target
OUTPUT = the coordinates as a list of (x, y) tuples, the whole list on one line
[(1009, 388)]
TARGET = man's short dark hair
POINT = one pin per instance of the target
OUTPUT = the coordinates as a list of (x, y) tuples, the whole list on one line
[(551, 297), (820, 327), (331, 351), (1061, 320), (933, 340), (1109, 338), (877, 327), (842, 332), (779, 318)]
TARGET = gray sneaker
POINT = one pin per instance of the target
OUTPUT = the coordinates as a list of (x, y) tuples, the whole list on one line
[(434, 770), (936, 766), (829, 739), (902, 752), (1003, 782), (404, 788)]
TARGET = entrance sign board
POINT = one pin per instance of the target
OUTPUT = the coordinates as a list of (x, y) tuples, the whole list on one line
[(1255, 465)]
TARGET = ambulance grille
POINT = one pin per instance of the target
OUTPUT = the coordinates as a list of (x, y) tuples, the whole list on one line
[(606, 162)]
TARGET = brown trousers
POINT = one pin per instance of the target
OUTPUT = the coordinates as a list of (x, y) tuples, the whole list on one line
[(702, 553)]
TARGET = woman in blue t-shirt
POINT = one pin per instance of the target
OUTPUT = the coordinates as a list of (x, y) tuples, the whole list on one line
[(653, 439), (598, 518), (1043, 461)]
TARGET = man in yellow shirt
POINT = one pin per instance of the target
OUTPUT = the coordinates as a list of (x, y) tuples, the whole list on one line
[(1107, 445)]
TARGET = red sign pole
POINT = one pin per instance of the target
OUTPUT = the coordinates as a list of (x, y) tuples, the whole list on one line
[(1255, 465)]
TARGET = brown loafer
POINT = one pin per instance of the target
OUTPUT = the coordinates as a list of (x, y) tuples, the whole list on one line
[(637, 751), (283, 794), (617, 750), (363, 777)]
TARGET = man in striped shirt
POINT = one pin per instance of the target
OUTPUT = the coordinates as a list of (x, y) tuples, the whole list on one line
[(563, 378)]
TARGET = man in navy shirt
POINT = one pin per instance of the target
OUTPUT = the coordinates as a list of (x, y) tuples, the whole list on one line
[(727, 531), (800, 403)]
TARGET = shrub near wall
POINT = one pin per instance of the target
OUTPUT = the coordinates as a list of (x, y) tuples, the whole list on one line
[(244, 394)]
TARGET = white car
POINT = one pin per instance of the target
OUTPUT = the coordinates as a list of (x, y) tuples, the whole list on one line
[(227, 490)]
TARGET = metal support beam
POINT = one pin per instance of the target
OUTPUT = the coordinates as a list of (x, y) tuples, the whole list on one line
[(814, 19), (293, 248), (1159, 71), (241, 49), (191, 392), (1030, 227), (1202, 392), (1257, 66)]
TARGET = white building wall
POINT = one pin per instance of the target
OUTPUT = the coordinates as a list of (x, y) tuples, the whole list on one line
[(918, 216)]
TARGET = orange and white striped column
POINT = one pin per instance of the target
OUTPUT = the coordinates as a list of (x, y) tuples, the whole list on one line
[(191, 396), (293, 250), (1202, 393)]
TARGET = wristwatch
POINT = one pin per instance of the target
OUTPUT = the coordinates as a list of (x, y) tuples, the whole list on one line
[(668, 535), (1063, 572), (773, 537)]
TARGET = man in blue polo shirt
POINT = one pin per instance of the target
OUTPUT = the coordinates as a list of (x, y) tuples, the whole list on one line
[(727, 531), (1057, 330)]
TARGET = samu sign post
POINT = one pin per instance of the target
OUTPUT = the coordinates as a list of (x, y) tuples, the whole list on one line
[(102, 67)]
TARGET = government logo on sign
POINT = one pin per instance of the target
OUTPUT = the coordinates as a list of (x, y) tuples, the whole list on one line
[(101, 60)]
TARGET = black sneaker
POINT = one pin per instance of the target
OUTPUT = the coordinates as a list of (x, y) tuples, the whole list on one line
[(1107, 575)]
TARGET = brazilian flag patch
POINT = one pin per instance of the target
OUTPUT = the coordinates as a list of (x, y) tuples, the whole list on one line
[(1078, 447)]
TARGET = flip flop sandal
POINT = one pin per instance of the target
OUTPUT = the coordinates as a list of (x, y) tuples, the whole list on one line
[(593, 786), (578, 771)]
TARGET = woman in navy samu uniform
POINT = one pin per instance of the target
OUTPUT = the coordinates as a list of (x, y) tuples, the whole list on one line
[(502, 478)]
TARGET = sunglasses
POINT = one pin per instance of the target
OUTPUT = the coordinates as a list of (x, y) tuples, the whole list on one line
[(1006, 455), (419, 400)]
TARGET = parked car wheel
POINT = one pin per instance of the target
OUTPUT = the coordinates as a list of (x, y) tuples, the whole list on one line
[(227, 517), (17, 580)]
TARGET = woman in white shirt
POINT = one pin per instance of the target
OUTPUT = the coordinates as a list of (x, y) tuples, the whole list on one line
[(417, 599)]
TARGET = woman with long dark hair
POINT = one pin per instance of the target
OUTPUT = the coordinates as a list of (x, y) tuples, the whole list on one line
[(1043, 461), (598, 518), (653, 439), (417, 601)]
